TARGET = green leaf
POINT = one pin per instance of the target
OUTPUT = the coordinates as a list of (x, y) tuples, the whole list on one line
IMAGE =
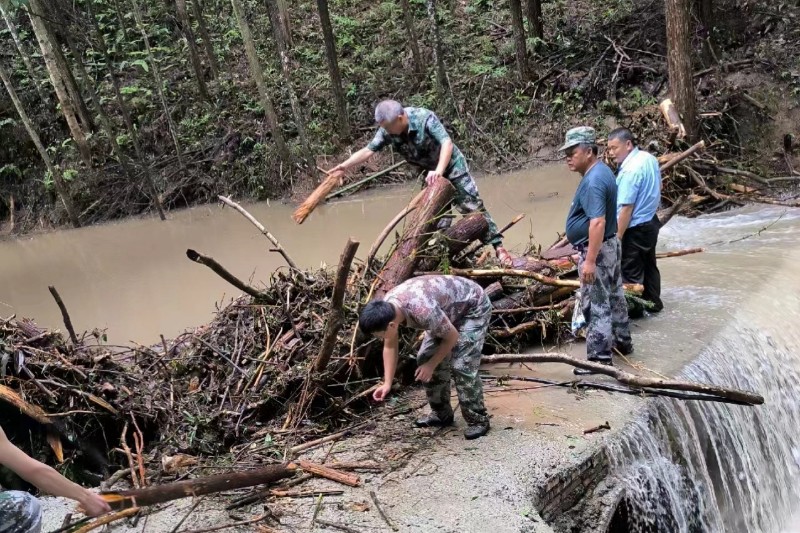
[(141, 63)]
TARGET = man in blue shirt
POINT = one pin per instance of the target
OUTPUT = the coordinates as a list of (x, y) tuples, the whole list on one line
[(418, 135), (638, 199), (592, 230)]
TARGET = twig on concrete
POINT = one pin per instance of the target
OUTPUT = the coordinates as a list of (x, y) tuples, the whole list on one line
[(380, 510)]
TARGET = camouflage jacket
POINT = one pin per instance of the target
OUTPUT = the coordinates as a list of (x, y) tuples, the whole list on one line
[(422, 143), (432, 303)]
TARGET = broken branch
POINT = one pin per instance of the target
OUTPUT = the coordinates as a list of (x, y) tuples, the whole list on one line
[(223, 273), (64, 315)]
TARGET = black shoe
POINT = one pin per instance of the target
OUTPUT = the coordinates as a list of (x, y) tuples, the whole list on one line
[(476, 430), (432, 420), (587, 372), (624, 349)]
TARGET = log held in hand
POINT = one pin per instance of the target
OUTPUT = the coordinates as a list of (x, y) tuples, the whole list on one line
[(318, 196), (627, 378)]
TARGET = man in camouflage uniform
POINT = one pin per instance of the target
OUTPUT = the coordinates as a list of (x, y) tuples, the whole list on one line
[(19, 511), (592, 230), (454, 313), (419, 136)]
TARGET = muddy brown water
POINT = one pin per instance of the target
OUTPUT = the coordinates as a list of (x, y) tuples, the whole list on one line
[(133, 278)]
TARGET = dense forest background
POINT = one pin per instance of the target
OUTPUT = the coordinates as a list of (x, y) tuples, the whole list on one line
[(113, 108)]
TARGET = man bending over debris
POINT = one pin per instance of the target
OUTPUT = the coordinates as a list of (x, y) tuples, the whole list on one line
[(592, 230), (418, 135), (455, 313), (19, 511)]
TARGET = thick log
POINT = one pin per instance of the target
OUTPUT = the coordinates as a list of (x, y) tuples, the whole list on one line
[(336, 316), (373, 250), (627, 378), (197, 487), (673, 118), (494, 291), (318, 196), (504, 272), (457, 237), (525, 298), (402, 262), (476, 245)]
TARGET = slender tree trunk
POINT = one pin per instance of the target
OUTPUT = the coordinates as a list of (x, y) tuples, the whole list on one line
[(408, 22), (72, 85), (47, 45), (438, 56), (126, 116), (120, 18), (679, 62), (194, 55), (705, 13), (159, 84), (535, 26), (205, 36), (284, 23), (261, 84), (333, 69), (26, 59), (286, 69), (518, 28), (58, 179)]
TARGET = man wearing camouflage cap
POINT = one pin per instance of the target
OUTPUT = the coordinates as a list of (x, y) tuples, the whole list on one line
[(592, 230)]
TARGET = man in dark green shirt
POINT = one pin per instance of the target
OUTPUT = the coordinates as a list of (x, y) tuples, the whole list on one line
[(592, 230), (418, 135)]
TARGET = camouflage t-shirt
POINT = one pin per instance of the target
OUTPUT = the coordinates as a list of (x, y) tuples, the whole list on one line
[(19, 513), (433, 303), (422, 143)]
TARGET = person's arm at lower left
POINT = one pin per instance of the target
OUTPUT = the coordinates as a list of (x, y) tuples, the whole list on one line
[(624, 219), (47, 479)]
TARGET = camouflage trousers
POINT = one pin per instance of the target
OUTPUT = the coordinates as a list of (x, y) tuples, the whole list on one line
[(467, 200), (19, 513), (462, 366), (603, 304)]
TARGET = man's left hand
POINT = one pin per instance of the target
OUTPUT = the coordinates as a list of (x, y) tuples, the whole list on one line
[(588, 274), (432, 176), (424, 372)]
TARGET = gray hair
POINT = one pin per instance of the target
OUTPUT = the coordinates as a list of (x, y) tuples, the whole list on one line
[(623, 135), (388, 110)]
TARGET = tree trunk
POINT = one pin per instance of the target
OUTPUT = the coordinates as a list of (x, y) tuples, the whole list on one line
[(408, 22), (438, 56), (57, 78), (679, 62), (72, 85), (205, 36), (120, 18), (126, 116), (284, 25), (194, 55), (403, 261), (261, 84), (333, 69), (535, 26), (58, 179), (286, 72), (26, 59), (173, 130), (518, 28), (705, 12)]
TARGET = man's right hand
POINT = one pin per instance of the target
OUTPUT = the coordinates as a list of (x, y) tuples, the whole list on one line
[(382, 392), (93, 505)]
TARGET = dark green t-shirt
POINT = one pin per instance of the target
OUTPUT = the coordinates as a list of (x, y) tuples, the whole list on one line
[(596, 197)]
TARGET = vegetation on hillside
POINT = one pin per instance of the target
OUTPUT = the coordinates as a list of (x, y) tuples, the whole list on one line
[(186, 120)]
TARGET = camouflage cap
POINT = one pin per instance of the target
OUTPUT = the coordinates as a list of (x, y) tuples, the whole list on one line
[(579, 135)]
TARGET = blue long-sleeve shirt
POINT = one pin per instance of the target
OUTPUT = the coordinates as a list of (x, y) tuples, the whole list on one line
[(639, 184)]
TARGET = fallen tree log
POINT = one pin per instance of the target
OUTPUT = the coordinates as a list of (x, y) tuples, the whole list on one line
[(402, 262), (627, 378), (318, 196), (373, 251), (196, 487), (541, 278), (476, 245), (456, 238), (673, 118), (683, 155)]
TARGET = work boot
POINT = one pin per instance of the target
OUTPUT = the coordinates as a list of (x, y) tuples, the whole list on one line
[(474, 431), (623, 349), (587, 372), (432, 420)]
